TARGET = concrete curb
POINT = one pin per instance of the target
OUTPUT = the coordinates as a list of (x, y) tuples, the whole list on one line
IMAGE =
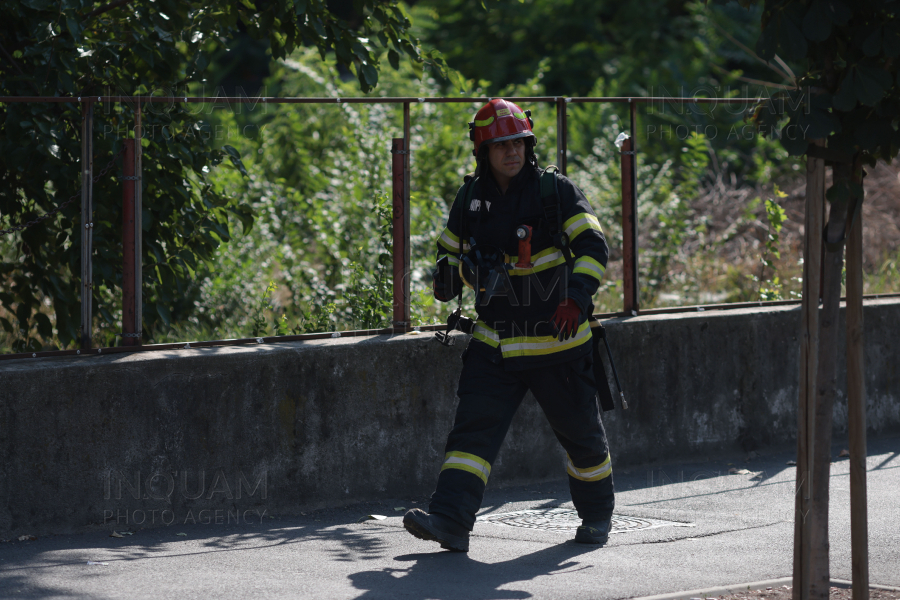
[(846, 584), (743, 587)]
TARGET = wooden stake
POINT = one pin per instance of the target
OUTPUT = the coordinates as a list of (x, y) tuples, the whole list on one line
[(856, 408), (809, 358)]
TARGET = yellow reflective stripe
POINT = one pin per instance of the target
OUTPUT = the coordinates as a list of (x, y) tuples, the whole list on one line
[(450, 241), (519, 115), (485, 334), (452, 259), (484, 123), (589, 266), (467, 462), (543, 260), (542, 345), (579, 223), (597, 473)]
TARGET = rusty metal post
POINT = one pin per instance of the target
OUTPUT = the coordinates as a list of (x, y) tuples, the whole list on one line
[(634, 207), (399, 219), (407, 187), (561, 133), (138, 227), (129, 328), (630, 279), (87, 220)]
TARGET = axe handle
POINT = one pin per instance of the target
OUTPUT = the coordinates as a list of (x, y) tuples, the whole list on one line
[(615, 374)]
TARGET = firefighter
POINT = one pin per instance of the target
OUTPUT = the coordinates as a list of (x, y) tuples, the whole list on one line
[(532, 331)]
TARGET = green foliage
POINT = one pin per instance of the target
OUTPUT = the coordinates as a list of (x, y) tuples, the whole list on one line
[(776, 217), (319, 183), (372, 291), (641, 44), (258, 321), (88, 49), (847, 93)]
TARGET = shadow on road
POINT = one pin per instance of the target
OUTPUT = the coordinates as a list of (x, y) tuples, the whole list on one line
[(455, 576)]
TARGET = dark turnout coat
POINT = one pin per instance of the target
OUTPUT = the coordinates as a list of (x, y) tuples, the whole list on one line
[(514, 315)]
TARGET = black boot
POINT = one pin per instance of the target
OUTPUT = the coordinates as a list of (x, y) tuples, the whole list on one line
[(435, 527), (593, 532)]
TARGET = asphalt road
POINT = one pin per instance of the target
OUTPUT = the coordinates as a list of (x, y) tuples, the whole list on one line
[(711, 528)]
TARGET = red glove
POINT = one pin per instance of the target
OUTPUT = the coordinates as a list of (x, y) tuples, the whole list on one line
[(566, 319)]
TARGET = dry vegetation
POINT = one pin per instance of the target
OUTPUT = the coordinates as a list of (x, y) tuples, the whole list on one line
[(786, 593), (723, 260)]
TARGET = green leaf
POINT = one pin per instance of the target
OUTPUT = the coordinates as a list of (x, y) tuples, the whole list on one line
[(791, 39), (845, 99), (235, 158), (394, 59), (342, 50), (817, 123), (370, 73), (7, 326), (245, 215), (74, 27), (871, 84), (23, 313), (793, 139), (892, 40), (317, 25), (837, 11), (816, 22), (45, 328), (872, 45), (164, 313), (145, 53)]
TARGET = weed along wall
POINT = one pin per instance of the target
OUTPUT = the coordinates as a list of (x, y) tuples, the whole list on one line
[(235, 434)]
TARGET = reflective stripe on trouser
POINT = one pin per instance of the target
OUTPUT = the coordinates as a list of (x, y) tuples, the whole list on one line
[(468, 463), (488, 398), (595, 473)]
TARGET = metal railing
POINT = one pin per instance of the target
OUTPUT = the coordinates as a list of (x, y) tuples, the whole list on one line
[(400, 170)]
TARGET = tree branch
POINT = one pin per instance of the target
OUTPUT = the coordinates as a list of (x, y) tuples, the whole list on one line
[(733, 40), (755, 81)]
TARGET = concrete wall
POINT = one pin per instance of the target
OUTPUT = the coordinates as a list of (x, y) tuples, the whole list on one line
[(153, 438)]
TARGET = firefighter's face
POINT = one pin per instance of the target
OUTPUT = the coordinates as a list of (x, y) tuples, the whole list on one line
[(506, 158)]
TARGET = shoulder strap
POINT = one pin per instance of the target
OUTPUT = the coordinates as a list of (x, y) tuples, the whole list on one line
[(465, 194), (552, 205)]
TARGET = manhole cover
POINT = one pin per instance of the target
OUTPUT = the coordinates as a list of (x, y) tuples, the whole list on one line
[(566, 519)]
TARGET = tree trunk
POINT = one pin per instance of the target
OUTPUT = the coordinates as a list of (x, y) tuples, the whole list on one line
[(826, 389)]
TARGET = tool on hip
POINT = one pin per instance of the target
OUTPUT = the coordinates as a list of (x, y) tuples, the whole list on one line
[(524, 235), (598, 332), (455, 321)]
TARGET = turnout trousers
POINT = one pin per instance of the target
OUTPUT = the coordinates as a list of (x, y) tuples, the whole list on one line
[(489, 397)]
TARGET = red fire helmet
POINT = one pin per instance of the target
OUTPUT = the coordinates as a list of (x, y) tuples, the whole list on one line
[(500, 120)]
